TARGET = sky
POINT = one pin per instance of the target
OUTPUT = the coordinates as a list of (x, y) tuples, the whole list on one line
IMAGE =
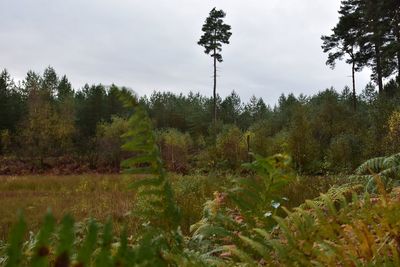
[(149, 45)]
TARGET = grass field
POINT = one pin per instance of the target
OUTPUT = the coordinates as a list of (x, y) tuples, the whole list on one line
[(82, 196), (108, 196), (96, 196)]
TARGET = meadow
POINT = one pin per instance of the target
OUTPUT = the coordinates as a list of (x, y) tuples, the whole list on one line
[(104, 196), (100, 196), (82, 196)]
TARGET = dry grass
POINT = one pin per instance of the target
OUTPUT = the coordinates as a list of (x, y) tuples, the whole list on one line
[(93, 196), (83, 196), (105, 196)]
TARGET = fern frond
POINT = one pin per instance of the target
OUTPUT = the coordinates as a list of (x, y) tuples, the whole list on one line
[(243, 256), (42, 246), (387, 168), (391, 161), (141, 141), (258, 247), (14, 249), (375, 165), (89, 245), (104, 258), (66, 240)]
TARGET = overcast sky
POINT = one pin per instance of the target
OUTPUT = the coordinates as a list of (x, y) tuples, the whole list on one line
[(152, 44)]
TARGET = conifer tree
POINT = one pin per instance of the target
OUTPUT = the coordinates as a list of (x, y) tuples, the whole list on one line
[(343, 42), (216, 33), (393, 49), (372, 28)]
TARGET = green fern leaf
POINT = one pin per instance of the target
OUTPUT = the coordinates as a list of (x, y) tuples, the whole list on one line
[(89, 245), (42, 246), (14, 249), (66, 241)]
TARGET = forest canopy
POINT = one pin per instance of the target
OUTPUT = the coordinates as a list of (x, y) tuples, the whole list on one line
[(44, 119)]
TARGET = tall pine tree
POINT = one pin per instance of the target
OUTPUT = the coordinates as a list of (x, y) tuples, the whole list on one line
[(216, 33), (343, 42)]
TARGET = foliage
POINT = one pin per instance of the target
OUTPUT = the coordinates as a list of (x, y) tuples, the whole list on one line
[(175, 149), (250, 202), (52, 121), (360, 233), (230, 148), (68, 245), (366, 32), (5, 141), (343, 152), (158, 243), (239, 227), (301, 144), (157, 193), (245, 223), (393, 136), (387, 168), (262, 138), (109, 141), (191, 191), (216, 33), (343, 43)]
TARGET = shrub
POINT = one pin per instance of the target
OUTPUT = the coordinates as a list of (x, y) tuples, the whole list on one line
[(333, 232), (393, 136), (231, 147), (5, 141), (301, 144), (191, 192), (344, 153), (262, 143), (175, 147), (109, 141), (262, 139)]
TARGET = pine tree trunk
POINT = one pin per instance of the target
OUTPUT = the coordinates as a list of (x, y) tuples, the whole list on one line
[(379, 67), (353, 74), (215, 88), (398, 64), (398, 52)]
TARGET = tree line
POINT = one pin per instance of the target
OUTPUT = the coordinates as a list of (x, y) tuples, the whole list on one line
[(44, 122), (44, 117)]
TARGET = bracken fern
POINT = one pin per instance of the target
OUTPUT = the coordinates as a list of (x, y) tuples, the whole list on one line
[(388, 168)]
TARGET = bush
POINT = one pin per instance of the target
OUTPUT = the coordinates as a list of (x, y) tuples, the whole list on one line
[(261, 138), (175, 147), (393, 136), (301, 144), (109, 141), (5, 141), (344, 153), (265, 141), (191, 192), (231, 147)]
